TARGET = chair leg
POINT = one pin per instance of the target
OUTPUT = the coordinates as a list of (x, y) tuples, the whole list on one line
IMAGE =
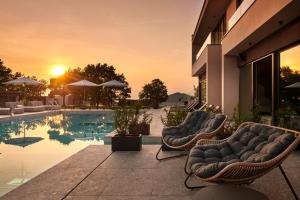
[(168, 157), (185, 166), (192, 187), (288, 182)]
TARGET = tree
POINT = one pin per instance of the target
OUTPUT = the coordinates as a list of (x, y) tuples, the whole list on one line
[(39, 90), (154, 93), (58, 85), (101, 73), (5, 75), (98, 74), (289, 96)]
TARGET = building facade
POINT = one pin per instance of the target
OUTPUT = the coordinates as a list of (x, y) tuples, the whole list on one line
[(246, 54)]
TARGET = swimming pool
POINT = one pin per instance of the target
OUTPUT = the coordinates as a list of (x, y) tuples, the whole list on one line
[(32, 145)]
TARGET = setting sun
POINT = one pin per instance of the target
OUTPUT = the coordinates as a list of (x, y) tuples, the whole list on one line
[(58, 71)]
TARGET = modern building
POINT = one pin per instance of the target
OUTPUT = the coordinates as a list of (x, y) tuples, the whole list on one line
[(246, 53)]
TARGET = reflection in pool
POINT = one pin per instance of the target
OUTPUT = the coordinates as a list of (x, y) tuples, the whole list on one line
[(29, 147)]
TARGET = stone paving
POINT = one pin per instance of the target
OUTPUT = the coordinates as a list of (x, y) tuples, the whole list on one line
[(97, 174)]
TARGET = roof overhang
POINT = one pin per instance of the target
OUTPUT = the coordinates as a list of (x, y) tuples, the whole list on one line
[(211, 13)]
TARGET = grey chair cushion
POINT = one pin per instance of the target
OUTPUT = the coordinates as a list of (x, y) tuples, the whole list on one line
[(253, 143), (196, 122)]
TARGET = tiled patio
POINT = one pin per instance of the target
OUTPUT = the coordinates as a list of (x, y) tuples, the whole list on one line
[(96, 173)]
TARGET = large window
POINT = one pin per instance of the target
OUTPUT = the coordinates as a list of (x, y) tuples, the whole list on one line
[(262, 85), (289, 85)]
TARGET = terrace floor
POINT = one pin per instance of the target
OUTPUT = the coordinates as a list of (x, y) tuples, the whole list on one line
[(97, 173)]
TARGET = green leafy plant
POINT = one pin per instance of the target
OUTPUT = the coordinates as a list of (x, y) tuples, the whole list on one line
[(140, 124), (234, 122), (256, 115), (237, 119), (123, 118), (173, 118), (146, 118)]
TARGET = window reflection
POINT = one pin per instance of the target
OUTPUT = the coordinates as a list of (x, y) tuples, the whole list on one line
[(289, 88)]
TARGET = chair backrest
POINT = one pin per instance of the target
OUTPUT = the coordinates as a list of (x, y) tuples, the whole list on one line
[(254, 142), (202, 121), (202, 107), (191, 106)]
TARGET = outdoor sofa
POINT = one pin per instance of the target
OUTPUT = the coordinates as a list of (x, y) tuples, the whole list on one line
[(52, 106), (197, 125), (34, 106), (5, 111), (251, 152), (15, 107)]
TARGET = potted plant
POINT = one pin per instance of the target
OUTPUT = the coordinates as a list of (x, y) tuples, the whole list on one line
[(122, 140), (142, 126), (174, 117)]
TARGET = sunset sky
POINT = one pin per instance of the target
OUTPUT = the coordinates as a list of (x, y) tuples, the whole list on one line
[(144, 39)]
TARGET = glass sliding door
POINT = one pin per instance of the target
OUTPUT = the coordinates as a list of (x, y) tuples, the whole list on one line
[(262, 85), (289, 88)]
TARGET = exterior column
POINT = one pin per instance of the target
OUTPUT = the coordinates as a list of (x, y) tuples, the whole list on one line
[(213, 75), (230, 84)]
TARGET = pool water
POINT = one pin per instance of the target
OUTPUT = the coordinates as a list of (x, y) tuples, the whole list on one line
[(33, 145)]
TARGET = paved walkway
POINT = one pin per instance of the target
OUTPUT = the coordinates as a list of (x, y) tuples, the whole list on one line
[(96, 173), (156, 125)]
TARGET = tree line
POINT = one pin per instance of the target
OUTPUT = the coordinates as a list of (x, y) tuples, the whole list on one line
[(98, 73), (6, 74), (151, 95)]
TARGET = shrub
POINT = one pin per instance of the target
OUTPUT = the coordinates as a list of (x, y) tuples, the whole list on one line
[(173, 118), (123, 117), (237, 119)]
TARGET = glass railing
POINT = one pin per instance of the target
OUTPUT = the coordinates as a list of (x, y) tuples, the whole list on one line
[(207, 41)]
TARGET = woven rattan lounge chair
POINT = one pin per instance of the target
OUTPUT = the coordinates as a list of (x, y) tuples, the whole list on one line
[(192, 105), (251, 152), (197, 125)]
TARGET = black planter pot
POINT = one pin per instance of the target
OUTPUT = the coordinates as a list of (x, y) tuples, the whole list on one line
[(126, 143)]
